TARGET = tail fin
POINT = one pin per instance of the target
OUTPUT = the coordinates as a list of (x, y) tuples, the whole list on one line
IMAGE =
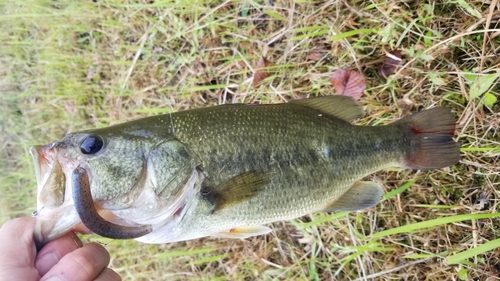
[(431, 135)]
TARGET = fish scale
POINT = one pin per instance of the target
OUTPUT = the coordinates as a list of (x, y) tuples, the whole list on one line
[(294, 159)]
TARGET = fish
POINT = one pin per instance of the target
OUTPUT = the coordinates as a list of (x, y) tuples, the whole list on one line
[(228, 170)]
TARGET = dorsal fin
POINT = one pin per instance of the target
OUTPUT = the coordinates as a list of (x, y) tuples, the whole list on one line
[(343, 107), (239, 188)]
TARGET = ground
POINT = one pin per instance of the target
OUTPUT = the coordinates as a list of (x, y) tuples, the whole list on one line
[(72, 65)]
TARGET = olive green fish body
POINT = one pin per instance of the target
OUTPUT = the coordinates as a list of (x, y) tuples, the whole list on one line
[(311, 158), (229, 169)]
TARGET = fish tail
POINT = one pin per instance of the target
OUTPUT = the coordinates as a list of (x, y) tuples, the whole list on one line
[(431, 136)]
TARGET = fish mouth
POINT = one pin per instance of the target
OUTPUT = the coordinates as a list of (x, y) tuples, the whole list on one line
[(55, 214), (49, 176)]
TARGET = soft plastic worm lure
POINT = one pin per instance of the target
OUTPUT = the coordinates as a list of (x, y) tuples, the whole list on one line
[(85, 208)]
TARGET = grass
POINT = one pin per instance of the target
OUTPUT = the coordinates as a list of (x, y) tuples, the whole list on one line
[(70, 65)]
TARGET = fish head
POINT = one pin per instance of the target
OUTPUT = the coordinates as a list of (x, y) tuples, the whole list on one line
[(119, 164)]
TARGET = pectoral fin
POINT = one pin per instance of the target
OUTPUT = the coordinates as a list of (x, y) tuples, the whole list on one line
[(237, 189), (362, 195), (244, 232)]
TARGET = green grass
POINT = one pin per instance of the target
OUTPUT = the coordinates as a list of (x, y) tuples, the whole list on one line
[(71, 65)]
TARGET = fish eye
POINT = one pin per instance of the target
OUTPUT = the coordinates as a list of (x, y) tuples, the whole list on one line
[(91, 145)]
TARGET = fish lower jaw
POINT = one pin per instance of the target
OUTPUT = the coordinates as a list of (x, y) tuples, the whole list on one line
[(53, 223)]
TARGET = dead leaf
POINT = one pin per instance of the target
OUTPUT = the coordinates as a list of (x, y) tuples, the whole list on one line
[(315, 55), (419, 47), (348, 83), (90, 75), (261, 73), (392, 60), (70, 108), (405, 103)]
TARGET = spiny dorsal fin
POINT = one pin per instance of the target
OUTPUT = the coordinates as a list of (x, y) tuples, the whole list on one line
[(362, 195), (239, 188), (343, 107)]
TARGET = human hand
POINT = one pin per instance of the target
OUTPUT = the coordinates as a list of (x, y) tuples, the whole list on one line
[(63, 259)]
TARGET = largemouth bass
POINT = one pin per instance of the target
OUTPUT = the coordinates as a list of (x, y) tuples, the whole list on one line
[(228, 170)]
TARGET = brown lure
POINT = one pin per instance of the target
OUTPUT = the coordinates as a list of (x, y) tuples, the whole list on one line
[(82, 197)]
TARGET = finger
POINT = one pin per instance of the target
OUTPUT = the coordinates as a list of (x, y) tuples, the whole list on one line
[(108, 275), (17, 236), (18, 249), (83, 264), (51, 253)]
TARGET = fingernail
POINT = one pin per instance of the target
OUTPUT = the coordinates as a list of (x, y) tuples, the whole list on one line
[(77, 240)]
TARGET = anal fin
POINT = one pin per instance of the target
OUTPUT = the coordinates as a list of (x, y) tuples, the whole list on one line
[(362, 195), (244, 232)]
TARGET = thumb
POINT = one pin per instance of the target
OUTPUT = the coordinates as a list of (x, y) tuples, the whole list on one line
[(17, 250)]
